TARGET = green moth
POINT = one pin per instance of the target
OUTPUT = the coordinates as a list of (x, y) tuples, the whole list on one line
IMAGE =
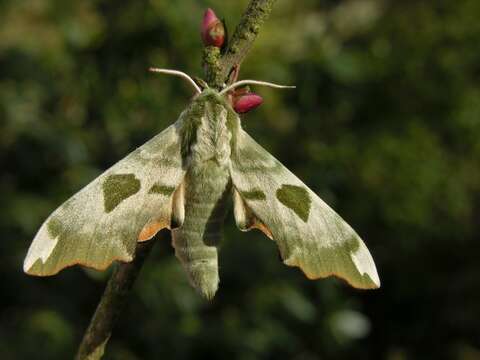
[(185, 179)]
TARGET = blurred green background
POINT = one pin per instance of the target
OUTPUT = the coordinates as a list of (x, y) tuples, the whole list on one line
[(384, 125)]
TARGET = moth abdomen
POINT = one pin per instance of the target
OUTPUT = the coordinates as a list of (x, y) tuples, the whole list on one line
[(199, 260), (206, 189)]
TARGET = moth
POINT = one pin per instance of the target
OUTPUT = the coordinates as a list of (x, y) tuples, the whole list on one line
[(185, 179)]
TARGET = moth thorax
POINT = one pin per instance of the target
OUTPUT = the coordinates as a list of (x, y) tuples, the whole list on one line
[(212, 136)]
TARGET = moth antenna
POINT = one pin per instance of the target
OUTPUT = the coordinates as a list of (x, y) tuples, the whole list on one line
[(177, 73), (254, 82)]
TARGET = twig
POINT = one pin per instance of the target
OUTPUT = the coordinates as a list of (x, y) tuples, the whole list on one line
[(112, 303), (218, 68), (242, 40)]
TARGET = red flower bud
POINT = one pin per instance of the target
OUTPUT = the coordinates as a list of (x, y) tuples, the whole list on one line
[(247, 102), (212, 30)]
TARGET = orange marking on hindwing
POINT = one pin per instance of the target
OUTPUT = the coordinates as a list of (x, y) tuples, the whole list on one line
[(150, 229), (263, 228)]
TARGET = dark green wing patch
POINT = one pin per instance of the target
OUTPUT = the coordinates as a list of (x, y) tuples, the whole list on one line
[(161, 189), (352, 244), (295, 198), (54, 227), (254, 194), (117, 188)]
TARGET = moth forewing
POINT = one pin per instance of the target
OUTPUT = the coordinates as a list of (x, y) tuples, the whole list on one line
[(103, 221), (309, 233)]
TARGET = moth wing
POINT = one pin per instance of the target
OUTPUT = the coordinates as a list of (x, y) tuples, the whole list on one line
[(309, 233), (129, 202)]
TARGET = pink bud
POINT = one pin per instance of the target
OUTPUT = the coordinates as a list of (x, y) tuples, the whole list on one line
[(247, 102), (212, 29), (209, 17)]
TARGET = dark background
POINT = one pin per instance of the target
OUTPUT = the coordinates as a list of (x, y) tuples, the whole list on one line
[(384, 125)]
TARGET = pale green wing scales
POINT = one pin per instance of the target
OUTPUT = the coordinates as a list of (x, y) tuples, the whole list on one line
[(309, 233), (102, 223)]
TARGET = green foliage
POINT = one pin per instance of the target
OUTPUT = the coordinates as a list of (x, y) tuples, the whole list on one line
[(384, 126)]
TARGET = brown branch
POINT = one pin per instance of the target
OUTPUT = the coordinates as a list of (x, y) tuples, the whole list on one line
[(112, 303), (217, 67)]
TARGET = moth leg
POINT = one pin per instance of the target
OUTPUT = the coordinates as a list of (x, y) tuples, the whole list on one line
[(245, 218), (178, 207)]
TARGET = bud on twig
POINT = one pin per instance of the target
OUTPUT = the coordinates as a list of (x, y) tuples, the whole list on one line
[(246, 102), (212, 30)]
